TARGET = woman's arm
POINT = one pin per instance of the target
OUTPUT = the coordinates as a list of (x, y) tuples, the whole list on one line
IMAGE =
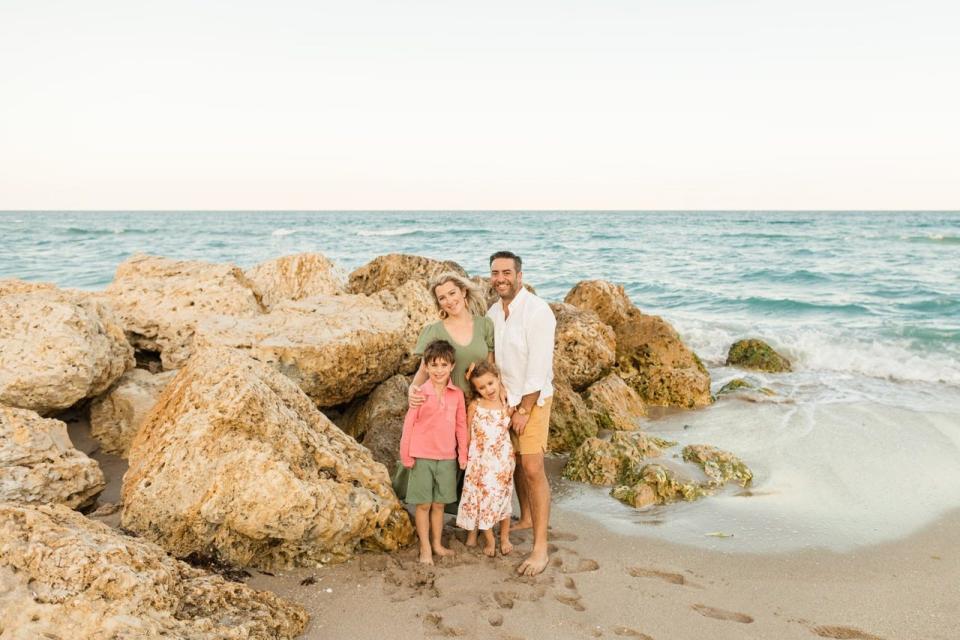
[(414, 397)]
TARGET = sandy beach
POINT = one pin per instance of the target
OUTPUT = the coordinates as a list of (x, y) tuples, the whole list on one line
[(605, 584)]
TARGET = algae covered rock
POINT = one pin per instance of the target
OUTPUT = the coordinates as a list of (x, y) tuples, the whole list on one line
[(718, 465), (66, 576), (585, 348), (295, 277), (756, 354), (607, 462), (236, 462), (734, 385), (394, 269), (38, 462), (116, 416), (615, 405), (57, 347), (657, 484), (570, 421)]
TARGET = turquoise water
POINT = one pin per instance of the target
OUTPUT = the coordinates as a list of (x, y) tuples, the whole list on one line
[(861, 443)]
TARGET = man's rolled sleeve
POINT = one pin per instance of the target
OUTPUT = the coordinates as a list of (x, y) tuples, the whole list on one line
[(540, 338)]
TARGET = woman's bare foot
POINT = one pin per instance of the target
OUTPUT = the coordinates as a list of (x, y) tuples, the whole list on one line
[(506, 546), (472, 538), (534, 564), (442, 551)]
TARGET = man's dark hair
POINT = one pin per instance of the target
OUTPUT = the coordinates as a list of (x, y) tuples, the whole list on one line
[(440, 350), (517, 262)]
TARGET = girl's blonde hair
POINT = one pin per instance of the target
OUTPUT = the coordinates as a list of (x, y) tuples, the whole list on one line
[(476, 303), (480, 368)]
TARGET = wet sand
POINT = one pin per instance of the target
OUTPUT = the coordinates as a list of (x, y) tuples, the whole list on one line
[(604, 584)]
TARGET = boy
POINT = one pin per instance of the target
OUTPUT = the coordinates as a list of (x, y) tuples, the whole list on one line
[(434, 440)]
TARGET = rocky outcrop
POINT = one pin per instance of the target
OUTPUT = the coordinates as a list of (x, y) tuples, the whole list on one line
[(657, 484), (650, 355), (13, 285), (116, 416), (753, 353), (335, 348), (718, 465), (38, 463), (65, 576), (295, 277), (394, 269), (585, 348), (414, 300), (57, 347), (614, 404), (609, 462), (235, 461), (160, 301), (377, 420), (570, 421)]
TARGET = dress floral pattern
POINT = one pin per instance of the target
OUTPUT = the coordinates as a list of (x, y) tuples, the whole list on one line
[(488, 484)]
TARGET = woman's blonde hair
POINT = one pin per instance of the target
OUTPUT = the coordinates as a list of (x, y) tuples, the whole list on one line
[(476, 303)]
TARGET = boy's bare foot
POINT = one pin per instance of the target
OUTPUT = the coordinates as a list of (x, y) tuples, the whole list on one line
[(442, 551), (426, 557), (534, 564), (472, 539), (505, 546)]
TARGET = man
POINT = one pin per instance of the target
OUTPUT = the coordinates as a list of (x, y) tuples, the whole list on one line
[(524, 333)]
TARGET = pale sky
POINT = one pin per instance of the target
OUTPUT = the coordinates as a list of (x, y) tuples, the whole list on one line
[(671, 104)]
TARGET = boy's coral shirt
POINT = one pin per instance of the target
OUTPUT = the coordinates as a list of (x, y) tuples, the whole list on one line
[(433, 431)]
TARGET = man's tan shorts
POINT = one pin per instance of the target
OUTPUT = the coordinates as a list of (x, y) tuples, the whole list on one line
[(534, 438)]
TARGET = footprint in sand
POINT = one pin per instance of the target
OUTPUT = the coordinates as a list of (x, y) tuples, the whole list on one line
[(572, 601), (843, 633), (584, 565), (433, 624), (721, 614), (504, 599), (666, 576), (630, 633), (495, 619), (560, 536)]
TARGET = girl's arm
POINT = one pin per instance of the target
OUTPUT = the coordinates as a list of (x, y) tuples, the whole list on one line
[(471, 409)]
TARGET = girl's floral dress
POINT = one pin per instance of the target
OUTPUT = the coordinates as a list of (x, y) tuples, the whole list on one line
[(488, 484)]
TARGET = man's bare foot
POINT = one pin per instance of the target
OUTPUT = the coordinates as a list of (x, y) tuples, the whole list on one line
[(442, 551), (426, 557), (472, 539), (534, 564), (490, 549), (505, 546), (521, 524)]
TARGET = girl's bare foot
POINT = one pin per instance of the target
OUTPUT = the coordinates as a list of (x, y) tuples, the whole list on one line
[(489, 546), (505, 546), (472, 538), (442, 551)]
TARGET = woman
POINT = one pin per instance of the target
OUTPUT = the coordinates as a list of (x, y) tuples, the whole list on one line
[(463, 323)]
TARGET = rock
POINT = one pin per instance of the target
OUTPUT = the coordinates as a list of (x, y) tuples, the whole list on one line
[(570, 421), (377, 420), (160, 301), (718, 465), (734, 385), (236, 462), (9, 286), (295, 277), (336, 348), (756, 354), (38, 463), (394, 269), (606, 462), (609, 301), (585, 347), (657, 484), (614, 404), (57, 347), (65, 576), (116, 416), (416, 302), (489, 294), (651, 358)]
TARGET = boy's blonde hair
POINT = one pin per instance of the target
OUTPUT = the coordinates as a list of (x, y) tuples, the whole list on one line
[(476, 303)]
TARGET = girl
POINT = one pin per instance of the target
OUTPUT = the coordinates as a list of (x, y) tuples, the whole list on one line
[(488, 485)]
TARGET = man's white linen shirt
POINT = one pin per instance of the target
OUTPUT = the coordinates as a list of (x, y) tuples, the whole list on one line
[(523, 346)]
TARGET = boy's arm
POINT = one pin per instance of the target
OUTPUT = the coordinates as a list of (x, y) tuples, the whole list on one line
[(408, 422), (461, 431)]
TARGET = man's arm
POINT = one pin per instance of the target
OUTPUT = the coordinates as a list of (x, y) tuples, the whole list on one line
[(539, 332)]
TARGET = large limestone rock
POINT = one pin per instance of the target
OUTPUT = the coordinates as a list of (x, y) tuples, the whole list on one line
[(570, 421), (650, 355), (161, 301), (414, 300), (235, 461), (754, 353), (295, 277), (608, 462), (335, 348), (116, 416), (57, 347), (377, 420), (65, 576), (13, 285), (394, 269), (614, 404), (38, 463), (585, 348)]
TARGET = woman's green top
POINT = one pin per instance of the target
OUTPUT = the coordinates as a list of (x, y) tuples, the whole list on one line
[(480, 345)]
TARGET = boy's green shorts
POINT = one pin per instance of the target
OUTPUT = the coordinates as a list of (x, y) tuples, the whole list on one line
[(432, 481)]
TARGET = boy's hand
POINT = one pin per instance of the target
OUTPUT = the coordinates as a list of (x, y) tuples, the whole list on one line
[(463, 466), (415, 397)]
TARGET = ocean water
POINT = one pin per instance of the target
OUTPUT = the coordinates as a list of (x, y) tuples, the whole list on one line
[(862, 441)]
